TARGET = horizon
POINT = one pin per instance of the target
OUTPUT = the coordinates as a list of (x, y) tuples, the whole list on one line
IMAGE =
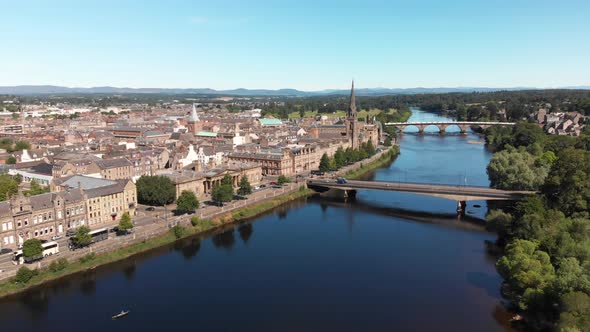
[(303, 45)]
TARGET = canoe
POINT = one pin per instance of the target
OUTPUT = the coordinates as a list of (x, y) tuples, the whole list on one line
[(123, 313)]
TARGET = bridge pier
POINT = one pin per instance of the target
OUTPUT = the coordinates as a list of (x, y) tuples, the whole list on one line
[(463, 128), (461, 206), (421, 129)]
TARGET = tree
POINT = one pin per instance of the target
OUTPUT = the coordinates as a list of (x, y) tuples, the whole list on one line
[(282, 180), (227, 180), (324, 163), (222, 193), (387, 141), (8, 186), (24, 275), (155, 190), (22, 145), (125, 223), (36, 189), (187, 202), (526, 134), (82, 238), (339, 158), (11, 160), (516, 170), (527, 271), (568, 184), (575, 315), (32, 248), (370, 148), (245, 187)]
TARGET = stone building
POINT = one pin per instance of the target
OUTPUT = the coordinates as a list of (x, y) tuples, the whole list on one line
[(81, 200), (202, 182)]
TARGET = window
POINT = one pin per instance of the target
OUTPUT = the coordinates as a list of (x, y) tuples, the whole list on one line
[(3, 226), (18, 223), (10, 225), (35, 233), (58, 214)]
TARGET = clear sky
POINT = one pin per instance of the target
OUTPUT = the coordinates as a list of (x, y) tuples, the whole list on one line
[(302, 44)]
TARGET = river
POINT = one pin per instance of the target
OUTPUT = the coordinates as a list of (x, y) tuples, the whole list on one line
[(383, 262)]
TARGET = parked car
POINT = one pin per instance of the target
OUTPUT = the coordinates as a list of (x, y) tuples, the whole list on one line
[(56, 237), (151, 208), (276, 186), (273, 183), (262, 186), (257, 188), (5, 251), (71, 232)]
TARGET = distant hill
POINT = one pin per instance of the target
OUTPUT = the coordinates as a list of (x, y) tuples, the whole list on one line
[(51, 89)]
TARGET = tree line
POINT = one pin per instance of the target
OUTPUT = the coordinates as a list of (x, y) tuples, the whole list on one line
[(344, 157), (546, 238)]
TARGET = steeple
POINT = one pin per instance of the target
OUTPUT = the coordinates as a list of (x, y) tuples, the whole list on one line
[(352, 107), (194, 116)]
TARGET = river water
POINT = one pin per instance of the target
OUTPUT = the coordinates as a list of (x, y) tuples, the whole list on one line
[(383, 262)]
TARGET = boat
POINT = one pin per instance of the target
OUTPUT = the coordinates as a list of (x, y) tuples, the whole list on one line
[(123, 313)]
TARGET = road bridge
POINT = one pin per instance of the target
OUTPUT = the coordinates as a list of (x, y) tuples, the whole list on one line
[(443, 125), (456, 193)]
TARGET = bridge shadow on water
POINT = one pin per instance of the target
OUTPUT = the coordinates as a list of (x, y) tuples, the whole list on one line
[(453, 220)]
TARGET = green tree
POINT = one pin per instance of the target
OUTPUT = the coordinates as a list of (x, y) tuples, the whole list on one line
[(370, 148), (339, 158), (24, 275), (222, 193), (36, 189), (82, 238), (526, 134), (22, 145), (155, 190), (324, 163), (527, 271), (32, 248), (282, 180), (125, 223), (11, 160), (227, 180), (568, 184), (575, 312), (8, 186), (501, 222), (178, 231), (245, 187), (387, 141), (516, 170), (187, 202)]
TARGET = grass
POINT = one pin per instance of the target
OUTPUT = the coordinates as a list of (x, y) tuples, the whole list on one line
[(256, 209), (385, 159)]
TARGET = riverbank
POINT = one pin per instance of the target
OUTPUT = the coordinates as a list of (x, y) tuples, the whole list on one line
[(92, 260)]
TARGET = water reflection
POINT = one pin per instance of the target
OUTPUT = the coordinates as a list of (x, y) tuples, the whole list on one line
[(129, 270), (225, 240), (246, 231), (88, 285)]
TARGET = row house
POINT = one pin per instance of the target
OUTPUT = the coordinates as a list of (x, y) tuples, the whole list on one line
[(91, 201)]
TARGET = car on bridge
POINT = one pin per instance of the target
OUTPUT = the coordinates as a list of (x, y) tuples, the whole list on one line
[(341, 180)]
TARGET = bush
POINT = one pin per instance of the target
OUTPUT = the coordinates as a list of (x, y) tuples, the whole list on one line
[(195, 221), (178, 231), (87, 258), (58, 265), (282, 180), (24, 275)]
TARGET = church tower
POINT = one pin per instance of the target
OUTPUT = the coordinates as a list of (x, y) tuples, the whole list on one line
[(352, 125), (193, 123)]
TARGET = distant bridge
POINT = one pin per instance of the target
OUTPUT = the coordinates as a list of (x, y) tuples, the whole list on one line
[(443, 125), (456, 193)]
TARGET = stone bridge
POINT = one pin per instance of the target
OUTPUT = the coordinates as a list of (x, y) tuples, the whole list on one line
[(443, 125)]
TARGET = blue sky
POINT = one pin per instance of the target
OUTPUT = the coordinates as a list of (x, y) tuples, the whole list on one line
[(308, 45)]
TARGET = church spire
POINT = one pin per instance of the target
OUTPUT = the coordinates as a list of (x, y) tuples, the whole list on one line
[(194, 116), (352, 107)]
